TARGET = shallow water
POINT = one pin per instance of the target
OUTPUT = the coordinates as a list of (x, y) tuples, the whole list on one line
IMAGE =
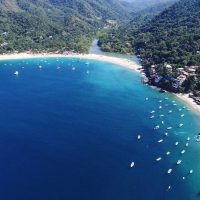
[(72, 134)]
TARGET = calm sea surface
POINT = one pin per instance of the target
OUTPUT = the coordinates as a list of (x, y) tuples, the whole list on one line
[(68, 131)]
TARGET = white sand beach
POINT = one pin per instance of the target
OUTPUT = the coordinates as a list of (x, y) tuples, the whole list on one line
[(189, 101), (119, 61)]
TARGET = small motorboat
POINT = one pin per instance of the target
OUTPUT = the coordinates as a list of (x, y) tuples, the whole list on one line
[(198, 138), (159, 141), (151, 117), (182, 115), (153, 111), (183, 151), (16, 73), (132, 164), (191, 171), (161, 115), (163, 122), (158, 159), (180, 110), (179, 162), (166, 134), (170, 111), (188, 138), (147, 99), (160, 107), (187, 144), (157, 127), (139, 137), (168, 153), (176, 143), (180, 125), (169, 128), (169, 171)]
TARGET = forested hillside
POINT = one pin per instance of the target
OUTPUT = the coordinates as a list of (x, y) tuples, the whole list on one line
[(170, 39), (121, 38), (53, 25)]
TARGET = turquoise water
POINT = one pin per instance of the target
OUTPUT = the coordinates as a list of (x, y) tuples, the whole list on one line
[(72, 134), (95, 49)]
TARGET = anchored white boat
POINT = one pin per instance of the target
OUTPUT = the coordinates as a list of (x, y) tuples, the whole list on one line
[(139, 137), (198, 138), (16, 73), (180, 125), (168, 153), (179, 162), (169, 128), (151, 117), (158, 159), (153, 111), (187, 144), (159, 141), (157, 127), (166, 134), (188, 139), (169, 171), (132, 164), (176, 143), (183, 151), (182, 115), (160, 107), (191, 171), (170, 111)]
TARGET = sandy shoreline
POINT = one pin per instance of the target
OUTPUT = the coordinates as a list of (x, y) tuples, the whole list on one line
[(189, 101), (119, 61)]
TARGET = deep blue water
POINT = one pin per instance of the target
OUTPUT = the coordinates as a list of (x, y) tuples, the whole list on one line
[(69, 134)]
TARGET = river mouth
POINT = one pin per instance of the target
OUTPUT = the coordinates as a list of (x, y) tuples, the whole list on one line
[(95, 49)]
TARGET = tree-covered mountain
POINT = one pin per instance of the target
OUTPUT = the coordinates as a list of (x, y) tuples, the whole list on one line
[(120, 38), (54, 24), (172, 37)]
